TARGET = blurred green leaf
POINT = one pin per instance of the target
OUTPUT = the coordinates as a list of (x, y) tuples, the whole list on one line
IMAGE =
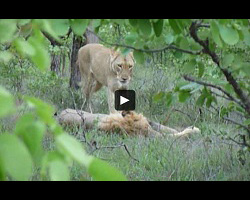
[(216, 33), (5, 56), (158, 96), (227, 60), (201, 69), (175, 26), (189, 66), (15, 157), (59, 171), (7, 30), (158, 27), (131, 38), (201, 100), (7, 104), (139, 56), (23, 47), (144, 26), (44, 110), (79, 26), (229, 35), (31, 131), (184, 96), (169, 38), (41, 58), (73, 148), (102, 171), (60, 26)]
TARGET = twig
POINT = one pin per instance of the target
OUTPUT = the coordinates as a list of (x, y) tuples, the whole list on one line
[(117, 146), (231, 120), (190, 117)]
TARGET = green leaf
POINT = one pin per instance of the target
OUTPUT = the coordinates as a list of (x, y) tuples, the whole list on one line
[(102, 171), (158, 96), (73, 148), (246, 34), (44, 110), (5, 56), (60, 26), (7, 30), (145, 27), (184, 96), (201, 100), (229, 35), (79, 26), (189, 66), (175, 26), (216, 34), (169, 99), (227, 60), (169, 38), (201, 69), (58, 171), (125, 51), (23, 47), (158, 27), (133, 22), (245, 67), (184, 44), (131, 38), (31, 131), (139, 56), (15, 157), (41, 58), (7, 104)]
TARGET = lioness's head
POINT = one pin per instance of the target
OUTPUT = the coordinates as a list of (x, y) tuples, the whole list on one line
[(122, 66)]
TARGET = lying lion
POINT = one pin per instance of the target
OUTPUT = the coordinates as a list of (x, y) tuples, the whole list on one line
[(127, 122)]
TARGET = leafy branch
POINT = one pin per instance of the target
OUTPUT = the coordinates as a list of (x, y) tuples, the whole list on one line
[(230, 97), (231, 80)]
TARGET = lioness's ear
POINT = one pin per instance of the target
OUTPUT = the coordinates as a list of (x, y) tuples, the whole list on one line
[(131, 53), (113, 55)]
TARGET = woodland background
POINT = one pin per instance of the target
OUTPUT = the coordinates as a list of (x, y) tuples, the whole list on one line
[(188, 72)]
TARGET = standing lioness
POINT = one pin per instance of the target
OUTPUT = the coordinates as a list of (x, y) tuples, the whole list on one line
[(103, 66)]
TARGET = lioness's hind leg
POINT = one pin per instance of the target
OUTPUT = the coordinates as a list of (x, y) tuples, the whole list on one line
[(87, 90)]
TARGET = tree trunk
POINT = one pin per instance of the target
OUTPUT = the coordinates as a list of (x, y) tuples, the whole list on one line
[(55, 63), (75, 77)]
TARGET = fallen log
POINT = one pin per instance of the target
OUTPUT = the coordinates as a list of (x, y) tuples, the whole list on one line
[(127, 122)]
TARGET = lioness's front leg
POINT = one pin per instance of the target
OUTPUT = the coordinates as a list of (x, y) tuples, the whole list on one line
[(111, 101)]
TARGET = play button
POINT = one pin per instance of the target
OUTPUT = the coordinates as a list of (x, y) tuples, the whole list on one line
[(124, 99)]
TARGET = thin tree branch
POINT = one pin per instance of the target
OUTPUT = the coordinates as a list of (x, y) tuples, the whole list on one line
[(168, 47), (232, 121), (230, 97)]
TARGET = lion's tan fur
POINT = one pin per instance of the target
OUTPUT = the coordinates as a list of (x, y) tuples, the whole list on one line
[(130, 123), (100, 66)]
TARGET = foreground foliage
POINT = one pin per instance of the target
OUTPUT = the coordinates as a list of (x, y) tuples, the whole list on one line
[(210, 55)]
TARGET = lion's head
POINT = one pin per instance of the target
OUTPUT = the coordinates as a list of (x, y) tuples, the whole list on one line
[(127, 122), (122, 67)]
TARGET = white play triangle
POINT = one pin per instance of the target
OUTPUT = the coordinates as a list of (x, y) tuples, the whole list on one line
[(123, 100)]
